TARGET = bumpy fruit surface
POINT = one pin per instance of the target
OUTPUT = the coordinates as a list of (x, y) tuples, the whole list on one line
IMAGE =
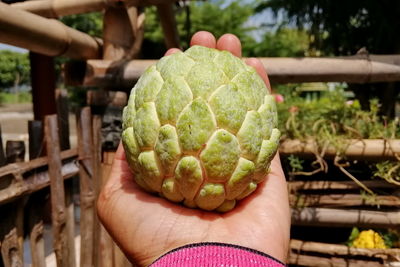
[(200, 128)]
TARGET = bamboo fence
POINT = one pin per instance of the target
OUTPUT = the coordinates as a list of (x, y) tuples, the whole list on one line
[(111, 63)]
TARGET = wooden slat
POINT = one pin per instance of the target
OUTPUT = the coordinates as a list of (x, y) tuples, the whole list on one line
[(28, 177), (345, 217), (61, 240), (87, 194)]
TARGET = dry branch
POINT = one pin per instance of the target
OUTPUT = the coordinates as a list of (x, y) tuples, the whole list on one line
[(45, 36), (58, 8), (372, 149), (345, 217), (280, 70), (28, 177)]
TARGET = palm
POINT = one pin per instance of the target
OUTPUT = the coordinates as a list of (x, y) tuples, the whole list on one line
[(147, 226)]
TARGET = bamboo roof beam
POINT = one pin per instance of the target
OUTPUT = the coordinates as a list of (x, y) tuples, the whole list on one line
[(58, 8), (168, 25), (371, 149), (280, 70), (45, 36)]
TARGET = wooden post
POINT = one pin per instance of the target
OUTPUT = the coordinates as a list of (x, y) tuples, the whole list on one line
[(103, 244), (3, 160), (62, 242), (168, 24), (61, 98), (37, 199), (118, 33), (43, 80), (11, 225), (15, 151), (87, 194)]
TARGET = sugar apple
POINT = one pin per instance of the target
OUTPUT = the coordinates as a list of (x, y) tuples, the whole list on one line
[(200, 128)]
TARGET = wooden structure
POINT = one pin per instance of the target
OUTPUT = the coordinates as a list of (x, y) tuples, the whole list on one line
[(111, 62)]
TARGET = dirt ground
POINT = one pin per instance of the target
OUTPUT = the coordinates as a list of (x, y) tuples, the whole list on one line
[(14, 123)]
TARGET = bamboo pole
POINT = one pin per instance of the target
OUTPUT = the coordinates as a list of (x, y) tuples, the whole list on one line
[(341, 200), (300, 246), (344, 217), (320, 261), (332, 185), (58, 8), (280, 70), (379, 149), (45, 36)]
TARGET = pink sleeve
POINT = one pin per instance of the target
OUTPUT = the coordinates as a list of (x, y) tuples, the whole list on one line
[(215, 254)]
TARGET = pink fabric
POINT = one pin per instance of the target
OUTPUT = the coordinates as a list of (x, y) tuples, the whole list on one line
[(215, 254)]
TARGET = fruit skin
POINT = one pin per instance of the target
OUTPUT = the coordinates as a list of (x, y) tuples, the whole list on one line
[(200, 128)]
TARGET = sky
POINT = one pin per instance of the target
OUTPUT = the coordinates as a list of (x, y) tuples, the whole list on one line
[(12, 48)]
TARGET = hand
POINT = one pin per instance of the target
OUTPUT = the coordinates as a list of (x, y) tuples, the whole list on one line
[(146, 226)]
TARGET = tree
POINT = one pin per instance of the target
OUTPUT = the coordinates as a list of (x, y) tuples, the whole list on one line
[(218, 17), (14, 69), (343, 28)]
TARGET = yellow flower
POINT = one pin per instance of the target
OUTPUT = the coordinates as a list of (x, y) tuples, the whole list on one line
[(369, 239)]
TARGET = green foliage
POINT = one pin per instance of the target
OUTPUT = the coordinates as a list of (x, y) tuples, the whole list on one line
[(346, 27), (14, 69), (332, 116), (295, 163), (388, 170), (333, 120), (13, 98), (90, 23), (220, 17), (285, 42)]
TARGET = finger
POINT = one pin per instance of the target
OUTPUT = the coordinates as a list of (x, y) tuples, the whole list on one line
[(172, 51), (203, 38), (231, 43), (256, 63)]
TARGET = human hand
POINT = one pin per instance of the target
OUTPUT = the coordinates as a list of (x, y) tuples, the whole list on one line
[(147, 226)]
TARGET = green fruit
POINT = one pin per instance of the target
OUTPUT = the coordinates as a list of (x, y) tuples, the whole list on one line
[(200, 129)]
